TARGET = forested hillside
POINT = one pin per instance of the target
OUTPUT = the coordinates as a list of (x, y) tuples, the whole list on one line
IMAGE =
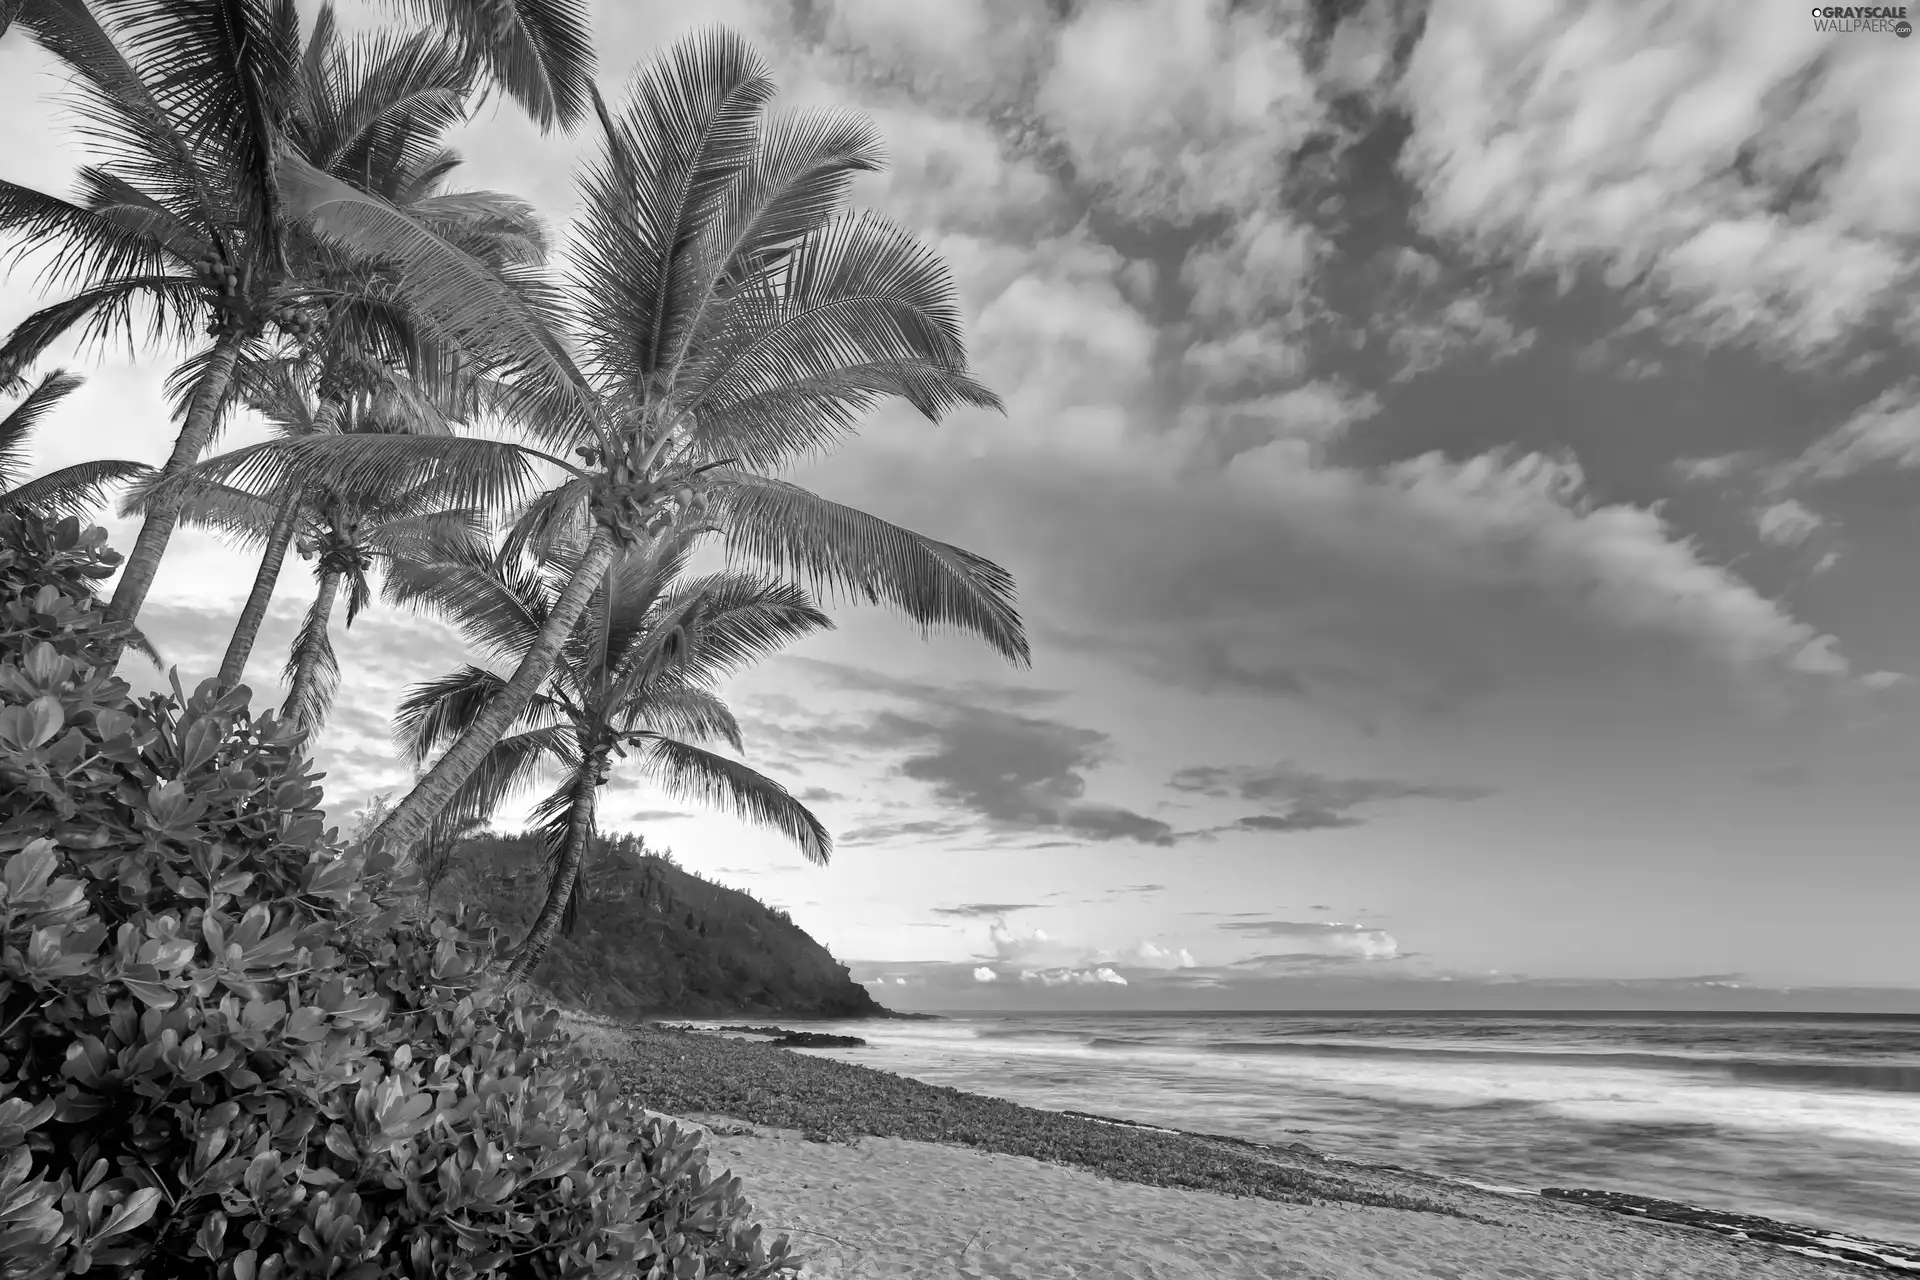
[(652, 938)]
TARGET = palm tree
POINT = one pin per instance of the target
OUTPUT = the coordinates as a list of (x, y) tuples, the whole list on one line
[(68, 491), (189, 103), (726, 318), (180, 100), (346, 533), (636, 672), (374, 111), (539, 52)]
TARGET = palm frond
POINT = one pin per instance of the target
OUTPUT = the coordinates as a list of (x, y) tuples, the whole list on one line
[(508, 769), (860, 291), (312, 670), (84, 245), (560, 818), (174, 311), (222, 70), (833, 550), (72, 490), (485, 474), (471, 304), (187, 382), (113, 200), (541, 55), (501, 230), (692, 773), (16, 429), (122, 115), (556, 516), (379, 105), (240, 517), (279, 389), (725, 622), (792, 185), (498, 609), (683, 136), (780, 425), (434, 712), (689, 714)]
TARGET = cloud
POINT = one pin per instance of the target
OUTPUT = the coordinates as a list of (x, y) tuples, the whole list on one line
[(1883, 435), (1038, 957), (1317, 940), (1428, 315), (1419, 584), (1787, 523), (1297, 820), (1301, 800), (1073, 977), (1175, 109), (1747, 174), (993, 769), (982, 973), (819, 795), (979, 909), (1714, 469)]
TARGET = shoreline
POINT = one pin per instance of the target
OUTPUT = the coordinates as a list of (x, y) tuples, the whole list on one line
[(818, 1107)]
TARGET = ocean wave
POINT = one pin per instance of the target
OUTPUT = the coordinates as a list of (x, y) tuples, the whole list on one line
[(1885, 1077)]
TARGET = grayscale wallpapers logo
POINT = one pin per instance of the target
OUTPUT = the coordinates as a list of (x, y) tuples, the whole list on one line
[(1873, 18)]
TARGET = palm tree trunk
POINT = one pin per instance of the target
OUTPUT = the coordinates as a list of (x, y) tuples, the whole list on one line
[(586, 791), (408, 821), (247, 629), (308, 656), (203, 412)]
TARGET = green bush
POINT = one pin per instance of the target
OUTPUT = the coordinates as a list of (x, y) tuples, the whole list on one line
[(223, 1049)]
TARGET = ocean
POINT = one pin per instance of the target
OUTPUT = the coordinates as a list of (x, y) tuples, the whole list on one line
[(1806, 1119)]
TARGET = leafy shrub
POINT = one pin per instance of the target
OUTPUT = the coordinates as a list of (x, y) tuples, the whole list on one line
[(223, 1049)]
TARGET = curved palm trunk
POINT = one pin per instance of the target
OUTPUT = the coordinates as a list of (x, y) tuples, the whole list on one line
[(580, 811), (247, 630), (203, 411), (408, 821), (308, 655)]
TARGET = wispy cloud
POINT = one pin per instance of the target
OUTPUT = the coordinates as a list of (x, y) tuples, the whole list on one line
[(978, 910)]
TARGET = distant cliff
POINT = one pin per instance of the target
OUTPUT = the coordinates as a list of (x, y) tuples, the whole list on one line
[(653, 939)]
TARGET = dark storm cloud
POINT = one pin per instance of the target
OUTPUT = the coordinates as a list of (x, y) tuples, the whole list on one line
[(991, 763), (1300, 800)]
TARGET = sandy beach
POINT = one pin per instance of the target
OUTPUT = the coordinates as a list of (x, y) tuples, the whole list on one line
[(879, 1177), (884, 1207)]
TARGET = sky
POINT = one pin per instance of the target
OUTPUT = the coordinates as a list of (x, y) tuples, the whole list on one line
[(1459, 466)]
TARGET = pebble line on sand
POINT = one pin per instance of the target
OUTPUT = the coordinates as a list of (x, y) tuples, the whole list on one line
[(1809, 1241)]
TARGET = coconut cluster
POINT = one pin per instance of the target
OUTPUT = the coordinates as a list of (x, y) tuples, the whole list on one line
[(232, 312)]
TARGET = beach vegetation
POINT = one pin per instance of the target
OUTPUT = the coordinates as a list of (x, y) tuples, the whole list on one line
[(226, 1048)]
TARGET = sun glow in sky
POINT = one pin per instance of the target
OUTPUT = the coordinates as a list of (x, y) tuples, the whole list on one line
[(1459, 467)]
